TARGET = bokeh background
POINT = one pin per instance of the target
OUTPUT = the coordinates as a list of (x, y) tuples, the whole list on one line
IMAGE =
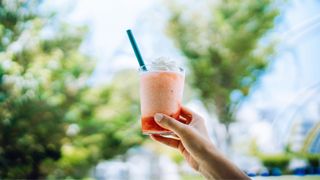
[(69, 85)]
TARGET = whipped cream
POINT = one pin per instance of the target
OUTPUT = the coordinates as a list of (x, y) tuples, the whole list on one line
[(163, 63)]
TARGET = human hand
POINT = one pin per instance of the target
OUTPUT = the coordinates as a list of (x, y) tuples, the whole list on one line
[(194, 144)]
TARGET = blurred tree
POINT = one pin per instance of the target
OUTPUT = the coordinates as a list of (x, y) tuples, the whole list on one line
[(108, 122), (225, 45), (52, 123)]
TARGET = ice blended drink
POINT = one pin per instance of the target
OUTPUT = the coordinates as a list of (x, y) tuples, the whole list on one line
[(161, 91)]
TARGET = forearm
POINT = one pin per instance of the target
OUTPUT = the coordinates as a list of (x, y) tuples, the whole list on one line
[(215, 165)]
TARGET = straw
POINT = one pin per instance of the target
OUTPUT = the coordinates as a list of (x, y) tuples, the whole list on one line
[(136, 50)]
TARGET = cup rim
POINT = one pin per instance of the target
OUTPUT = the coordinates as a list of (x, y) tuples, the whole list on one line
[(145, 68)]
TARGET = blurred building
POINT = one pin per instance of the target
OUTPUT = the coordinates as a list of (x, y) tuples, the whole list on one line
[(305, 136)]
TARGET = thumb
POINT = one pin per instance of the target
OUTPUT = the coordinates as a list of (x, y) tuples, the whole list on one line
[(170, 123)]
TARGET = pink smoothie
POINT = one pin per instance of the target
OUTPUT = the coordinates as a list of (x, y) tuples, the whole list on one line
[(160, 92)]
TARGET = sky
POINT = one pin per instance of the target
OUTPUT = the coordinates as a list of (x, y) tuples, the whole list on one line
[(288, 81)]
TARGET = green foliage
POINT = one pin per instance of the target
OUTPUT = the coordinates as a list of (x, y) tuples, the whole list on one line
[(313, 159), (271, 161), (226, 48), (52, 123), (280, 161)]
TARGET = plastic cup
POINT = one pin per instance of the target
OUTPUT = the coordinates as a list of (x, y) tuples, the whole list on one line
[(161, 91)]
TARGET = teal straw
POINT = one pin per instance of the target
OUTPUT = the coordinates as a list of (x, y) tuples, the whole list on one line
[(136, 50)]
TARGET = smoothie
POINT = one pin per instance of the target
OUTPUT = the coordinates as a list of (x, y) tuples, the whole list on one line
[(161, 91)]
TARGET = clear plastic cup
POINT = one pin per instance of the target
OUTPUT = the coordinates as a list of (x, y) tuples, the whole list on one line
[(161, 91)]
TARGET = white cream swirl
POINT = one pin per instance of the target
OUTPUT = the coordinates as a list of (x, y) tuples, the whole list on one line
[(163, 63)]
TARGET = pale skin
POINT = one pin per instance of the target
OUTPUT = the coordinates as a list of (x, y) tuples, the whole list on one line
[(195, 146)]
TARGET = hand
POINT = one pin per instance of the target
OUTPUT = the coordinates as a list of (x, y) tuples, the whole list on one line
[(194, 132), (196, 147)]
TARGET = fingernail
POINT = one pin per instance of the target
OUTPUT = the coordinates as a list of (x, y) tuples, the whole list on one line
[(158, 117)]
